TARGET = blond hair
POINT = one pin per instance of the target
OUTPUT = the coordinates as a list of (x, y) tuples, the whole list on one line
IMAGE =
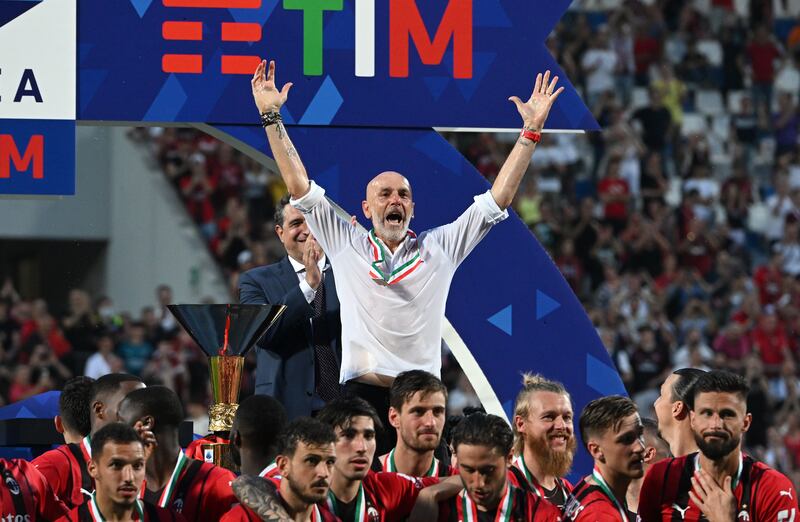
[(531, 383)]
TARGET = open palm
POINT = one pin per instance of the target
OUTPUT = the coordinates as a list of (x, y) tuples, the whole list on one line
[(534, 111), (266, 95)]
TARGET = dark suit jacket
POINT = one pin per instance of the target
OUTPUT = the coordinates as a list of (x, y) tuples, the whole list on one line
[(286, 353)]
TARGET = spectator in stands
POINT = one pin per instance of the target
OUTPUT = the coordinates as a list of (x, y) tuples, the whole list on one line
[(598, 65), (656, 123), (614, 193), (785, 123), (762, 51), (135, 350)]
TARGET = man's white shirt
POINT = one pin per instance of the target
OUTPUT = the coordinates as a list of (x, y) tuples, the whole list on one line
[(392, 311)]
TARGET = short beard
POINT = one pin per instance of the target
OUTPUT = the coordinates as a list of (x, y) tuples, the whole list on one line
[(308, 498), (418, 446), (716, 450), (386, 235), (551, 462)]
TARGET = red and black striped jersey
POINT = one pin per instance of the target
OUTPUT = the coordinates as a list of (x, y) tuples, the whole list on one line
[(201, 492), (762, 494), (587, 502), (521, 477), (84, 513), (65, 469), (516, 505), (25, 494), (383, 497)]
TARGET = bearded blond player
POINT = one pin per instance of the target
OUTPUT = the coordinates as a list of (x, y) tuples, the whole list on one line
[(544, 439)]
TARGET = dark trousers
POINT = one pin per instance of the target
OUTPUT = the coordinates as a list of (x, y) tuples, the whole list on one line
[(378, 397)]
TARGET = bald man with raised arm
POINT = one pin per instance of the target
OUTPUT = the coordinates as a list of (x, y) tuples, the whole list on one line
[(393, 284)]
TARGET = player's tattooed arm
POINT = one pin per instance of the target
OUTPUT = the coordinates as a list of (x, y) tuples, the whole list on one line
[(261, 496)]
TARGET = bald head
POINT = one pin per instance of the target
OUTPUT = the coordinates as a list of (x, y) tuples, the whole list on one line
[(389, 206)]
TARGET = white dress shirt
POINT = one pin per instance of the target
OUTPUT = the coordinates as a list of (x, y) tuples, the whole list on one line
[(393, 304)]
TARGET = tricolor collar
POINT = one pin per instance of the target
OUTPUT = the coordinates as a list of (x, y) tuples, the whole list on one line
[(390, 466), (169, 489), (738, 476), (97, 516), (269, 469), (361, 505), (86, 447), (601, 482), (468, 510), (379, 255)]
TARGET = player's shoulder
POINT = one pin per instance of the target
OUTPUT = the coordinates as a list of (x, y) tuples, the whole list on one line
[(770, 480), (57, 453)]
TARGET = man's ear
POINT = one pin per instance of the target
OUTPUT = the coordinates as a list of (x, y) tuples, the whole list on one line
[(649, 454), (98, 408), (282, 461), (91, 467), (59, 424), (595, 451), (519, 423), (394, 417), (365, 209), (236, 439), (148, 422), (279, 232), (748, 419), (680, 410)]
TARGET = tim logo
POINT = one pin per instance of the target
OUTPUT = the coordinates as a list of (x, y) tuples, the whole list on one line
[(193, 30), (22, 159), (406, 26)]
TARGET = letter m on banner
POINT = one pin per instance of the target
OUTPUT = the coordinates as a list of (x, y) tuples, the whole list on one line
[(405, 23), (33, 155)]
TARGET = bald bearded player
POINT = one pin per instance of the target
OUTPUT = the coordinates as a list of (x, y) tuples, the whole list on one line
[(392, 284)]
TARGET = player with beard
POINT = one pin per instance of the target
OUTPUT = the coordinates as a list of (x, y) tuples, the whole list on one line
[(305, 460), (197, 490), (117, 467), (544, 442), (612, 433), (655, 450), (392, 284), (672, 411), (257, 425), (66, 467), (718, 483), (417, 401), (483, 446)]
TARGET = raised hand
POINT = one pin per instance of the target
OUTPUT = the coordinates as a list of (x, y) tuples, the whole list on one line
[(266, 95), (716, 502), (534, 111), (312, 253)]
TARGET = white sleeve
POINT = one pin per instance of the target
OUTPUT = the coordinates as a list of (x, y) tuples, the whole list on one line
[(457, 239), (331, 231)]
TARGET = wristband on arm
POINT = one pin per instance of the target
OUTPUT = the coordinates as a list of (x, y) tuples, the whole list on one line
[(534, 136), (270, 118)]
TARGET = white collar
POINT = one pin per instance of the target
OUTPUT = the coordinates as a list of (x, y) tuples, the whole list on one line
[(300, 267)]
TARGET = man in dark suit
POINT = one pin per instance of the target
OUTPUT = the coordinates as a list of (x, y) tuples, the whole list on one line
[(299, 357)]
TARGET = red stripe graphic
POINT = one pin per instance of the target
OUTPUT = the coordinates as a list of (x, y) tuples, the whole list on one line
[(239, 64), (182, 30), (235, 32), (182, 63), (221, 4)]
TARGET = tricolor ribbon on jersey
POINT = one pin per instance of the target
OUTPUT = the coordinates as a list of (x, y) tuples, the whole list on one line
[(269, 469), (390, 466), (738, 471), (86, 447), (97, 516), (598, 478), (169, 489), (361, 505), (468, 510), (379, 256)]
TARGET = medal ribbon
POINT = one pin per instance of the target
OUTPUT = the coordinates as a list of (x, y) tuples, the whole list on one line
[(468, 511), (98, 517), (379, 254), (519, 462), (598, 477), (183, 460), (390, 466), (361, 504), (738, 471), (86, 446)]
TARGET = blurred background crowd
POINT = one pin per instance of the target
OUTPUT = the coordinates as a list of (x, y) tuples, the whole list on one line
[(677, 225)]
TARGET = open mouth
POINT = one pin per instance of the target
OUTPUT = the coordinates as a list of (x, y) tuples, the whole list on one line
[(394, 217)]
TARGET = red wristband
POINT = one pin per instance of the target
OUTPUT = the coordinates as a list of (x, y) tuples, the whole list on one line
[(531, 135)]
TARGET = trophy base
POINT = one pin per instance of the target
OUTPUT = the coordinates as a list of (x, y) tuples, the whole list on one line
[(219, 454)]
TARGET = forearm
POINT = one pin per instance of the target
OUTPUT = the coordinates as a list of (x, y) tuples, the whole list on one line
[(289, 163), (508, 179)]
